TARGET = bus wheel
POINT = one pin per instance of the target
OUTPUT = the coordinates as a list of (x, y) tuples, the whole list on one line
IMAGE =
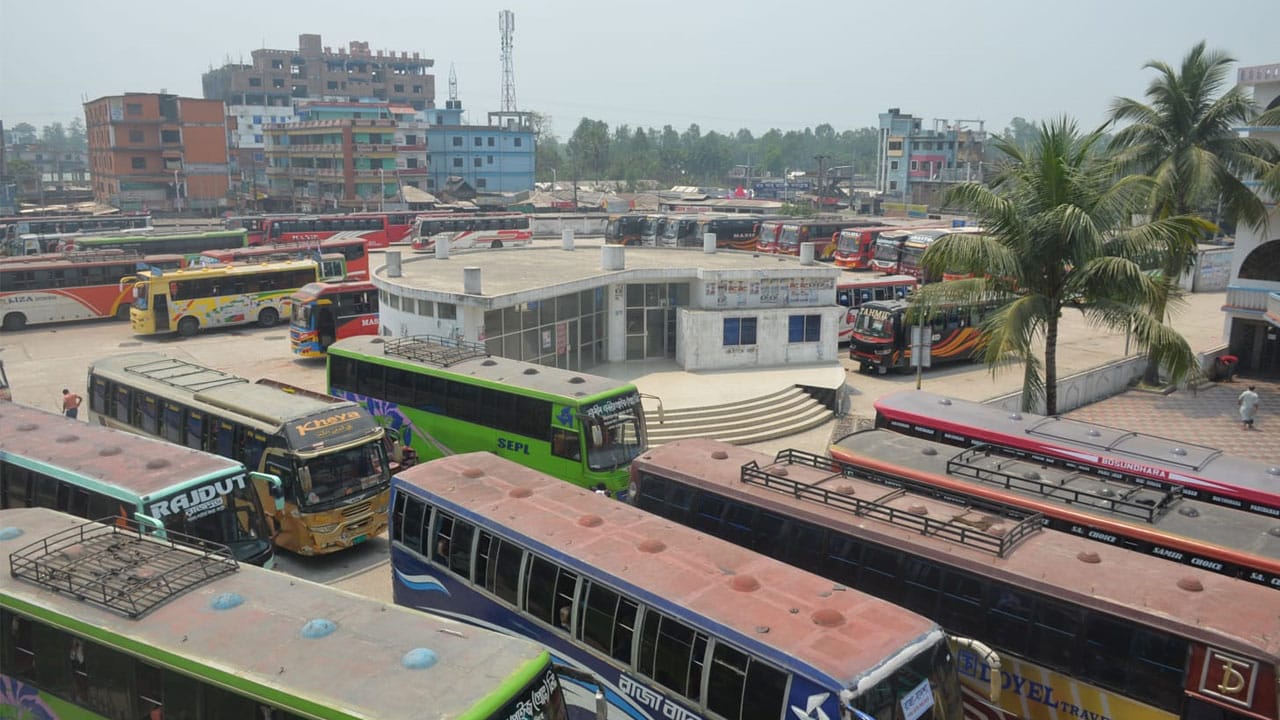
[(188, 326), (122, 312), (496, 244), (268, 317), (15, 321)]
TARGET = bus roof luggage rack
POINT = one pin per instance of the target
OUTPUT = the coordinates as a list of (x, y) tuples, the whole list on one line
[(111, 564), (970, 463), (999, 545), (434, 349), (183, 374)]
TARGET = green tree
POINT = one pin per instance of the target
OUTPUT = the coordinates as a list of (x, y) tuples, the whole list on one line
[(23, 133), (588, 149), (76, 137), (54, 136), (1184, 137), (1057, 236)]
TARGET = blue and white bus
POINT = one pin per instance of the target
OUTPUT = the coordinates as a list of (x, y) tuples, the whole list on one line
[(675, 623)]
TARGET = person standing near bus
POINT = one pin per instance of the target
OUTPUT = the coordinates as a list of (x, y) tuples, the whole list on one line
[(1248, 403), (70, 403)]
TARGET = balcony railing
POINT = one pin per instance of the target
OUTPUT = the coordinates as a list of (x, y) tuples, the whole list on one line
[(1273, 307), (1244, 298)]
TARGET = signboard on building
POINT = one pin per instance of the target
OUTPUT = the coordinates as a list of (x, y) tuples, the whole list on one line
[(774, 189)]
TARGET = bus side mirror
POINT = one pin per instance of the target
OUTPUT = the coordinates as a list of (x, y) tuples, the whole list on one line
[(274, 486), (152, 524)]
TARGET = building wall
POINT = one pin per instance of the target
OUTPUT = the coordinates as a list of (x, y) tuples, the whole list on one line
[(491, 159), (157, 151), (1253, 335)]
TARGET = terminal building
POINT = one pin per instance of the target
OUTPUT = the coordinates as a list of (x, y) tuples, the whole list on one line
[(579, 305)]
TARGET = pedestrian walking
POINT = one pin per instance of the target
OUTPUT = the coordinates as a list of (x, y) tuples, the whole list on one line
[(1248, 404), (70, 403)]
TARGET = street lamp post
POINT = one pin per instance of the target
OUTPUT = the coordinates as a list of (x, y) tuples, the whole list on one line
[(177, 191), (382, 189), (553, 179)]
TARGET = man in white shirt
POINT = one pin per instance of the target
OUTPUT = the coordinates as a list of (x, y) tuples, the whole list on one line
[(1248, 404)]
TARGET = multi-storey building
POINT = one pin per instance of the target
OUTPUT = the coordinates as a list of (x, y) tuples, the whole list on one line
[(276, 78), (265, 91), (157, 151), (345, 155), (917, 164), (1253, 297), (493, 158)]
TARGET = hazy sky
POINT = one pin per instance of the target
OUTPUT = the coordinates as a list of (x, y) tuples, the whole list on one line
[(785, 64)]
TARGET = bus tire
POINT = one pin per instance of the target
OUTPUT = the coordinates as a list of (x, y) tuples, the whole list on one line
[(15, 321), (268, 317), (122, 312), (496, 244), (188, 327)]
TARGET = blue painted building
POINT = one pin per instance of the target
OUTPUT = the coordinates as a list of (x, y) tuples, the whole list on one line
[(916, 163), (492, 158)]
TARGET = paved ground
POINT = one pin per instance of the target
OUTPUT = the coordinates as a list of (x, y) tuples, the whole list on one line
[(1207, 416)]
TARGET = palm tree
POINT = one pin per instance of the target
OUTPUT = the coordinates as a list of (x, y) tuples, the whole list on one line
[(1056, 235), (1185, 138)]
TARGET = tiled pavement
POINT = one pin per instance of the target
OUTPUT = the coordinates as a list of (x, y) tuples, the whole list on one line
[(1206, 416)]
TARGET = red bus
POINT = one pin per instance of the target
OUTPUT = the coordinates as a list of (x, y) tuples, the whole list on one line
[(1149, 520), (855, 246), (1195, 471), (886, 254), (354, 252), (380, 229), (482, 230), (325, 312), (767, 236), (819, 232), (71, 286), (853, 291), (48, 225)]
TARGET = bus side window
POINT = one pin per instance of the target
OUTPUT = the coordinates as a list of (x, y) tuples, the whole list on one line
[(565, 444)]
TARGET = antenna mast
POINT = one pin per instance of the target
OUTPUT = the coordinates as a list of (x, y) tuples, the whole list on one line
[(453, 83), (507, 26)]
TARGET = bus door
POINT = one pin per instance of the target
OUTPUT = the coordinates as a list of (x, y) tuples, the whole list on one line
[(325, 322)]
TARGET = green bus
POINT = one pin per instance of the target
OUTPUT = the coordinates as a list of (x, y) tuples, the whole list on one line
[(189, 245), (103, 621), (441, 396)]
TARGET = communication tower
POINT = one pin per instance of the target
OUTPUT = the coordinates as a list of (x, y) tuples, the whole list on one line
[(507, 26)]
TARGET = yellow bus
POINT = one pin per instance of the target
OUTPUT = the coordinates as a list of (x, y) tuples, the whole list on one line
[(329, 453), (188, 300)]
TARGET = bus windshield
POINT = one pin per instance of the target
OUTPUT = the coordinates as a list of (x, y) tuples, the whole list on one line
[(343, 476), (300, 315), (876, 322), (141, 291), (233, 517), (614, 442)]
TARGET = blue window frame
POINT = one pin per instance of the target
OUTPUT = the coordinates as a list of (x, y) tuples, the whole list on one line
[(804, 328), (739, 331)]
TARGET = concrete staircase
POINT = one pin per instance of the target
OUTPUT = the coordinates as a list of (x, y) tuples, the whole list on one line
[(779, 414)]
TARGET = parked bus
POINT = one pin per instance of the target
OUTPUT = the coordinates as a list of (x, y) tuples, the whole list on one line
[(492, 230), (186, 244), (64, 287), (1151, 520), (675, 623), (652, 228), (189, 300), (821, 232), (168, 629), (94, 472), (1081, 629), (881, 336), (379, 229), (624, 229), (328, 453), (852, 292), (1196, 471), (681, 231), (856, 246), (767, 235), (886, 257), (325, 312), (732, 233), (13, 226), (440, 397), (354, 252)]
